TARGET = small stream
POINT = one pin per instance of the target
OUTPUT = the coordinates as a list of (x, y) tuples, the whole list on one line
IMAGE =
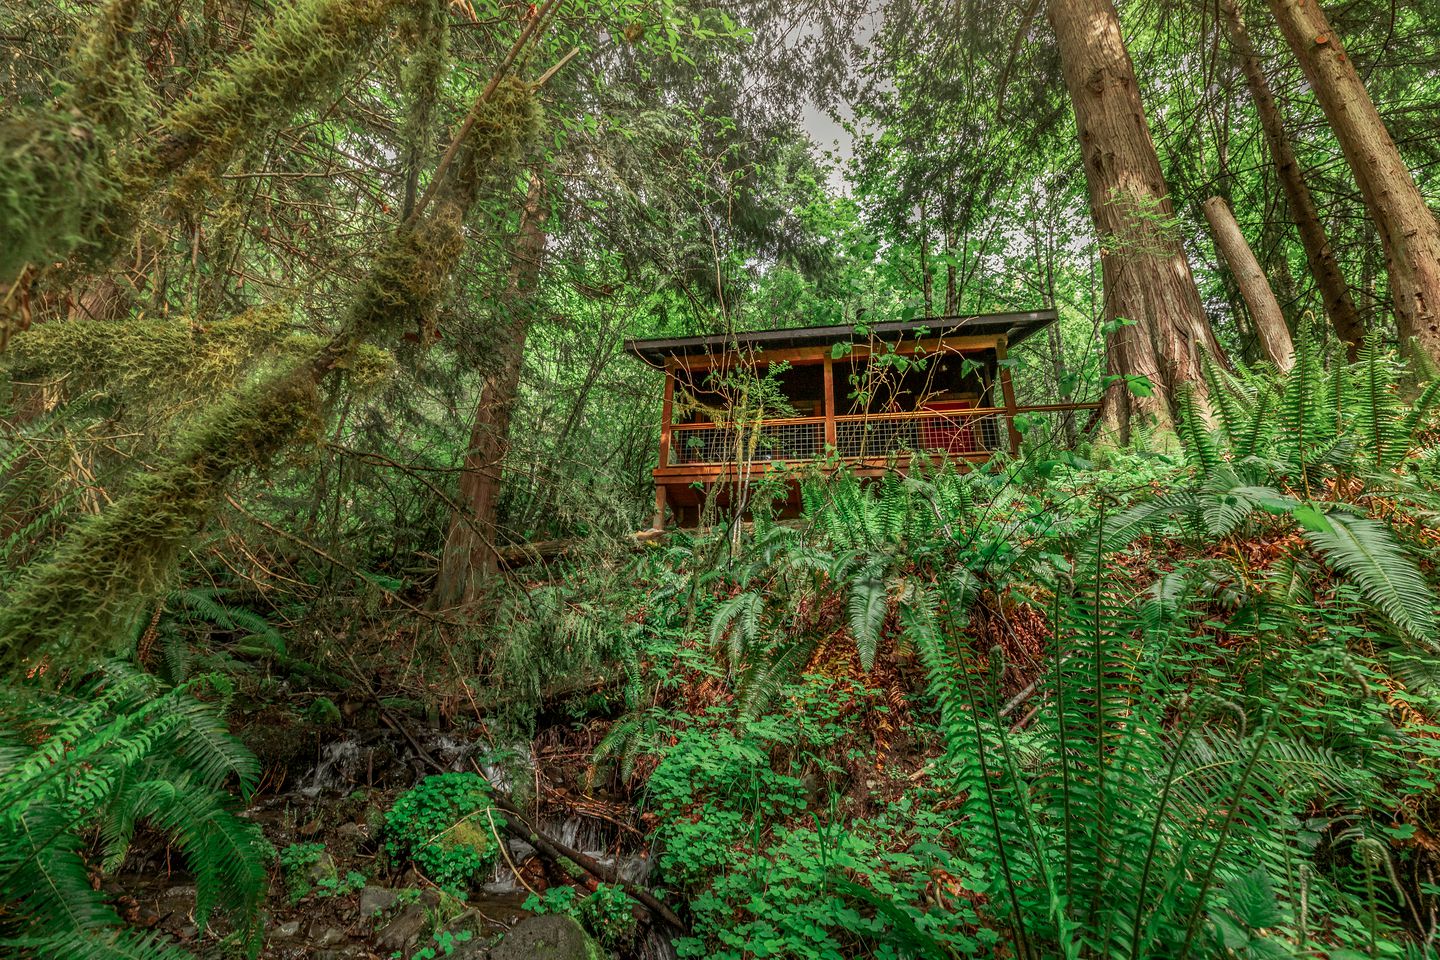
[(384, 759)]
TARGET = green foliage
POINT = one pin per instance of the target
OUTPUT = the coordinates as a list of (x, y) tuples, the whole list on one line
[(1204, 764), (307, 868), (120, 753), (608, 914), (447, 827), (443, 943)]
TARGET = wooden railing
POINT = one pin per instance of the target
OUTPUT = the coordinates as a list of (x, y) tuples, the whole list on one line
[(974, 434)]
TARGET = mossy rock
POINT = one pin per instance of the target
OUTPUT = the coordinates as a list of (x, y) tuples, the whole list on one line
[(549, 937), (323, 712), (444, 826)]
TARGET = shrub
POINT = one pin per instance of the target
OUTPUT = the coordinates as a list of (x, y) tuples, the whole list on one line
[(444, 826)]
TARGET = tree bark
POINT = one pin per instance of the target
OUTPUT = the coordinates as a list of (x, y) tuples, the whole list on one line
[(952, 290), (1270, 328), (1334, 291), (1147, 279), (470, 554), (927, 284), (1408, 229)]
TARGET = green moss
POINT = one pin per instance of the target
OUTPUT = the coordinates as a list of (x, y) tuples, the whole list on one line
[(426, 44), (323, 711), (59, 176), (86, 598), (301, 56), (107, 83), (147, 360), (504, 125), (55, 176)]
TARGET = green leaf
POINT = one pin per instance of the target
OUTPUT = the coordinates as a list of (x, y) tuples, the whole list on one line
[(1140, 385), (1368, 551), (1310, 517)]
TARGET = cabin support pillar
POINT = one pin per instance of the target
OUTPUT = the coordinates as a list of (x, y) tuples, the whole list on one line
[(830, 441), (666, 412), (659, 521), (1007, 390)]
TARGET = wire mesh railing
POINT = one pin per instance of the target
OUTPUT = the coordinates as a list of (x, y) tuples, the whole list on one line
[(785, 440), (957, 433)]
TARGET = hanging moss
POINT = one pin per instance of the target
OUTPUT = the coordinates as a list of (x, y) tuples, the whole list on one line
[(58, 172), (407, 280), (426, 49), (85, 599), (509, 120), (55, 177), (111, 564), (64, 186), (106, 81), (147, 359), (302, 56)]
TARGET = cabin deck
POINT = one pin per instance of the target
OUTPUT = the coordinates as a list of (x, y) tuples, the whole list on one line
[(937, 390)]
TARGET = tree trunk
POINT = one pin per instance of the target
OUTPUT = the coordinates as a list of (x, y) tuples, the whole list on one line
[(952, 290), (1147, 278), (927, 285), (1334, 291), (1408, 230), (1270, 328), (470, 546)]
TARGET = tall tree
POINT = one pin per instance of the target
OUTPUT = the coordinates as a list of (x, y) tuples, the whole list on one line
[(1270, 328), (1147, 277), (1408, 229), (1334, 292), (469, 554)]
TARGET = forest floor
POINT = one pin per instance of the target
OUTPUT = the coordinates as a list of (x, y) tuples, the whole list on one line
[(328, 782)]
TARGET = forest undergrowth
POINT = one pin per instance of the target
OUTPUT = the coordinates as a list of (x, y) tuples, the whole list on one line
[(1137, 703)]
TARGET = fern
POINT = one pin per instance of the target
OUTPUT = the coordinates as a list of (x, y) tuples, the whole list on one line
[(121, 752), (1367, 551), (868, 605), (1376, 409)]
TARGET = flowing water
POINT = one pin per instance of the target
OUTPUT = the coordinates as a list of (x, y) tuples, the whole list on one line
[(386, 759)]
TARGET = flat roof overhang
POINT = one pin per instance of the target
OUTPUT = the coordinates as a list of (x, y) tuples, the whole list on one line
[(1015, 327)]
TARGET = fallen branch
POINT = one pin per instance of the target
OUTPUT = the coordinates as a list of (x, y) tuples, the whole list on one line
[(517, 823)]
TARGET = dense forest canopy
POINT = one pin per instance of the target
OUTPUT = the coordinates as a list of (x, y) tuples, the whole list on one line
[(338, 613)]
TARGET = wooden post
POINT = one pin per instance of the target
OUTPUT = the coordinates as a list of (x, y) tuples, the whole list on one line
[(666, 412), (830, 440), (1007, 389)]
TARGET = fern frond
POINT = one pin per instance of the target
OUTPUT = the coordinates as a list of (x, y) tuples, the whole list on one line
[(1190, 424), (1368, 551), (868, 605)]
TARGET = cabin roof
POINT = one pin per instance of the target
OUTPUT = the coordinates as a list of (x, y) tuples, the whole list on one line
[(1014, 326)]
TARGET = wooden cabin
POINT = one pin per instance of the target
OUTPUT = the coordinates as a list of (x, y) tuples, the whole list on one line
[(871, 398)]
